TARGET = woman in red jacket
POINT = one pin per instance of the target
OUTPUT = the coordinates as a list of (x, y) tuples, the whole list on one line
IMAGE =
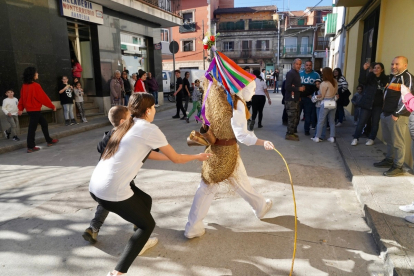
[(76, 68), (32, 97), (140, 85)]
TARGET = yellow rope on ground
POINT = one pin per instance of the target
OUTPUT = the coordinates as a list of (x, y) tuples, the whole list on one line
[(296, 217)]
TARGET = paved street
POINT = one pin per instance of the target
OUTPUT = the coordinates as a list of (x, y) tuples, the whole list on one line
[(46, 205)]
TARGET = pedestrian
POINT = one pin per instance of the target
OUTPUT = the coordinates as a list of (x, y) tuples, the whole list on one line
[(394, 117), (371, 101), (328, 90), (343, 96), (127, 87), (11, 111), (79, 101), (186, 90), (179, 94), (276, 78), (249, 103), (122, 159), (259, 100), (293, 86), (75, 81), (308, 78), (66, 94), (196, 97), (139, 84), (408, 100), (284, 116), (355, 100), (262, 74), (133, 80), (32, 98), (153, 87), (318, 102), (116, 88), (76, 69)]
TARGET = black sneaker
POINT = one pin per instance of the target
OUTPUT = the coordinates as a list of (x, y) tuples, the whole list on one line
[(67, 122), (307, 133), (394, 171), (6, 134), (187, 120), (176, 117), (386, 163), (15, 138), (74, 122), (183, 118)]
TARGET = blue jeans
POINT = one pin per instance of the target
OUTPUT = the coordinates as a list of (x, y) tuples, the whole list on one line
[(323, 136), (308, 111), (126, 99), (326, 114), (68, 111), (155, 94), (340, 113), (276, 88), (364, 116)]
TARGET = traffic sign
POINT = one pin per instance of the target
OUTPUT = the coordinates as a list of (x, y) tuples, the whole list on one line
[(174, 47)]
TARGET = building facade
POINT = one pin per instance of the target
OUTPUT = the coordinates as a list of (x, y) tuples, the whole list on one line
[(104, 35)]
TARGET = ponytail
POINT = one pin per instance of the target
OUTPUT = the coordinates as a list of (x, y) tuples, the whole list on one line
[(116, 137)]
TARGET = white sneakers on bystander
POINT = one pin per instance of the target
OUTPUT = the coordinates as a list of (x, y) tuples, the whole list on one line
[(409, 219), (331, 139), (354, 142), (338, 124), (316, 139), (369, 142), (408, 208)]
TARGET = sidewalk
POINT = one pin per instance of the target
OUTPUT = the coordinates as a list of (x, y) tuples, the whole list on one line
[(58, 131), (380, 197)]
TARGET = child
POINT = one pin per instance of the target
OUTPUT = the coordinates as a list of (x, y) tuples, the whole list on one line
[(66, 99), (10, 109), (197, 92), (79, 101), (355, 100)]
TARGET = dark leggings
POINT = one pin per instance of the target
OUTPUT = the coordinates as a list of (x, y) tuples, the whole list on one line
[(137, 210), (258, 103), (35, 118)]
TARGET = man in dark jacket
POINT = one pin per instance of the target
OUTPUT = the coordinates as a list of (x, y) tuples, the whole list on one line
[(394, 117), (293, 88)]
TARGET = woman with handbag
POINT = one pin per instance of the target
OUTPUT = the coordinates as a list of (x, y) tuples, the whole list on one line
[(328, 91), (371, 101), (343, 96)]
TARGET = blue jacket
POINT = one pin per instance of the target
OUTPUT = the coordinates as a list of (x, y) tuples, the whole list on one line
[(308, 80)]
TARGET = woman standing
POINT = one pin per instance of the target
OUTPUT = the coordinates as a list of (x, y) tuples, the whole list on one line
[(117, 88), (140, 85), (76, 69), (342, 86), (32, 97), (127, 87), (129, 145), (371, 101), (328, 90), (259, 99), (153, 87)]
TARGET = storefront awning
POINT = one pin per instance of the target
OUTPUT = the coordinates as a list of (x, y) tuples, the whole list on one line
[(330, 24), (350, 3)]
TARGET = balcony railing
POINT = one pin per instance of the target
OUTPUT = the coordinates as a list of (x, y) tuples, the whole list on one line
[(188, 27), (262, 25), (299, 49), (231, 26), (172, 6)]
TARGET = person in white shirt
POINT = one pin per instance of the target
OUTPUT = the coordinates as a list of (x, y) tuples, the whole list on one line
[(10, 109), (225, 165), (262, 74), (129, 146), (259, 100)]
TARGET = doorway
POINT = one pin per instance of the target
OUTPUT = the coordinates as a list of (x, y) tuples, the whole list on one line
[(369, 42)]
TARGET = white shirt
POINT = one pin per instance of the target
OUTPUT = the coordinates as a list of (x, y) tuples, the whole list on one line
[(263, 75), (260, 87), (111, 177), (10, 106), (239, 125)]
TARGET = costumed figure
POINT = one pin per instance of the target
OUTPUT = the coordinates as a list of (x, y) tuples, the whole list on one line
[(224, 114)]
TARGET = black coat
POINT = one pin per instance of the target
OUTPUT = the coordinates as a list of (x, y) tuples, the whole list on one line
[(373, 89)]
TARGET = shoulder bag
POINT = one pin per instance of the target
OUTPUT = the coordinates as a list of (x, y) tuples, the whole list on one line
[(329, 103)]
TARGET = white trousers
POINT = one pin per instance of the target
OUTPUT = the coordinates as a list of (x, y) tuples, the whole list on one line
[(205, 195)]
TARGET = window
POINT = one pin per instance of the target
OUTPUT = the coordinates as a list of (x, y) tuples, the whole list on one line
[(164, 35), (228, 46), (291, 44), (188, 17), (305, 47), (188, 46), (135, 40), (262, 45)]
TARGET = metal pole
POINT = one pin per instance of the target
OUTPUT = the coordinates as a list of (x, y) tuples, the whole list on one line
[(204, 59), (313, 46), (174, 71)]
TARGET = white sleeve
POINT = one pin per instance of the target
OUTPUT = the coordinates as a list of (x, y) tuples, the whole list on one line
[(3, 107), (239, 125), (156, 139)]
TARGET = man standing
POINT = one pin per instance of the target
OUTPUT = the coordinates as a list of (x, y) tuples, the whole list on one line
[(394, 117), (293, 88), (179, 96), (308, 78), (276, 78)]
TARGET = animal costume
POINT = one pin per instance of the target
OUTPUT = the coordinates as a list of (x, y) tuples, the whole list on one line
[(224, 112)]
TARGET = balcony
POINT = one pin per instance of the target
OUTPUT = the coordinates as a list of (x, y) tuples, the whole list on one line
[(262, 25), (164, 13), (247, 52), (297, 50), (188, 27), (231, 26)]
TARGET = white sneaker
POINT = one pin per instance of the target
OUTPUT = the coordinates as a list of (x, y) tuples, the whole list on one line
[(195, 236), (408, 208), (338, 124), (157, 105), (150, 243), (331, 139), (409, 219), (354, 142), (316, 139), (369, 142), (266, 209)]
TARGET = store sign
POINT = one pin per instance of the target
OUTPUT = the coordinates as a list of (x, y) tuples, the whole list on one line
[(82, 10)]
